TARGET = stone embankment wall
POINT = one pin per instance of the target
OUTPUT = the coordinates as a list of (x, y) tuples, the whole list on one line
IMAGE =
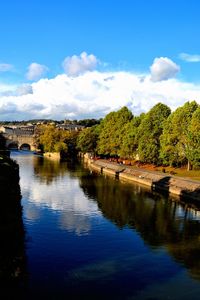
[(155, 180)]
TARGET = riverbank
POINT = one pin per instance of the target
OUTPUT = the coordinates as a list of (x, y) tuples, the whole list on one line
[(12, 251), (9, 173), (155, 180), (52, 155)]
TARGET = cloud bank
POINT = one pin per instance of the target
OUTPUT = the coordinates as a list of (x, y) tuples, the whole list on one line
[(94, 94), (83, 92)]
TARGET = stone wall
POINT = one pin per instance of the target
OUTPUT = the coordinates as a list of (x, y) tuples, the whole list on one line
[(52, 155), (155, 180)]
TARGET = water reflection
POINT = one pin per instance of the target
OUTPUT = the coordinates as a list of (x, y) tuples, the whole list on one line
[(75, 223), (48, 170), (160, 221), (84, 236), (39, 182), (12, 253)]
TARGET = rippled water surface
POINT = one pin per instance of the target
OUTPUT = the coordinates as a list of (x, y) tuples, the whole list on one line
[(92, 237)]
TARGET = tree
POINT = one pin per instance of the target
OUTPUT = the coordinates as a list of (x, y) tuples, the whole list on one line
[(89, 122), (112, 130), (149, 132), (87, 139), (175, 140), (52, 139), (193, 149), (130, 144)]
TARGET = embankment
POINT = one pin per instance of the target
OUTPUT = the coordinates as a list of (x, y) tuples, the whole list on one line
[(52, 155), (12, 234), (9, 173), (157, 181)]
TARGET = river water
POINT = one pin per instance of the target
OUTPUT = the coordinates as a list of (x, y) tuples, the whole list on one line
[(92, 237)]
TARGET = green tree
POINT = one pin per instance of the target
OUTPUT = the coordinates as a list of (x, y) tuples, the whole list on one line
[(52, 139), (193, 149), (149, 132), (130, 143), (88, 122), (87, 139), (175, 140), (112, 130)]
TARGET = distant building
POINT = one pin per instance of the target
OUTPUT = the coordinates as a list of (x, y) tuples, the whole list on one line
[(70, 127), (6, 129), (18, 130)]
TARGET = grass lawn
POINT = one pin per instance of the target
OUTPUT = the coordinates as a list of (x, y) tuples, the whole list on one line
[(182, 172)]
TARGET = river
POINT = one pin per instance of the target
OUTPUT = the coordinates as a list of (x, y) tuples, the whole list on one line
[(87, 236)]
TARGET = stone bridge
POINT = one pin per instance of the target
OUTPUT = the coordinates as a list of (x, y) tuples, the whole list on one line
[(22, 142), (20, 138)]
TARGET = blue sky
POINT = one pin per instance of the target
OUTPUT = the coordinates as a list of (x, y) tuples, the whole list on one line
[(123, 36)]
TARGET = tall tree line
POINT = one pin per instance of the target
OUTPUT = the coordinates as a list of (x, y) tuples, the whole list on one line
[(159, 136)]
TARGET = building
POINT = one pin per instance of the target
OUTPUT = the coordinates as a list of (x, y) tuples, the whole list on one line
[(70, 127), (18, 130)]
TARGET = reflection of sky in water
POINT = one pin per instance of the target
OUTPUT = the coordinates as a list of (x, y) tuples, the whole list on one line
[(74, 222), (74, 250), (189, 290), (191, 213), (62, 196)]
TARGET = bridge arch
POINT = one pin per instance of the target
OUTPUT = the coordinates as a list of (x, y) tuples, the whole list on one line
[(13, 145), (14, 141), (25, 146)]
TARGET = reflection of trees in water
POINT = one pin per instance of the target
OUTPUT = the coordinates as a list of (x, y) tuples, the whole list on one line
[(48, 170), (12, 252), (160, 221)]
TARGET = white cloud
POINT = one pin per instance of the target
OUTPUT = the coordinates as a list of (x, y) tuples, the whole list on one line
[(24, 89), (13, 90), (94, 94), (163, 68), (7, 90), (76, 65), (8, 108), (5, 67), (36, 71), (190, 57)]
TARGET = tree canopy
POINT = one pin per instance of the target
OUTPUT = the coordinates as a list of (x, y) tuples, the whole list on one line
[(176, 139), (87, 139), (52, 139), (112, 130), (158, 136), (149, 132)]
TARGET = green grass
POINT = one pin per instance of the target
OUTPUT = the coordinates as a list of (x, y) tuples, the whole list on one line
[(182, 172)]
